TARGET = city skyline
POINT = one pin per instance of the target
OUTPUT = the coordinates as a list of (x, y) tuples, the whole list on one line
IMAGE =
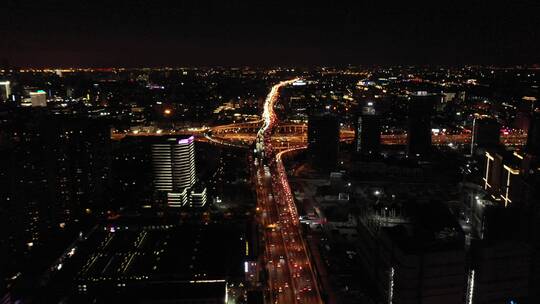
[(282, 152), (124, 184)]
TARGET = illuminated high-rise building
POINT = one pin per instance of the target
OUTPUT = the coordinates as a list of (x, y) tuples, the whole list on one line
[(174, 172), (174, 164), (493, 172), (162, 162), (38, 98), (5, 90), (419, 123), (184, 163)]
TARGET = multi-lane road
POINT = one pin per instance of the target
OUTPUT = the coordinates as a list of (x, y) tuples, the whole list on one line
[(291, 278), (244, 136)]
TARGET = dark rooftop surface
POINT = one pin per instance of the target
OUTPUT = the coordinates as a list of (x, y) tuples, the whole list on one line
[(164, 252), (158, 262), (433, 228)]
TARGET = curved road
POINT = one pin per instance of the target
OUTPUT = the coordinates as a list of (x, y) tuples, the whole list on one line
[(291, 275)]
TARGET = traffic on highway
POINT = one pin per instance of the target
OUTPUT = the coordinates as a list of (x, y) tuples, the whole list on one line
[(291, 277)]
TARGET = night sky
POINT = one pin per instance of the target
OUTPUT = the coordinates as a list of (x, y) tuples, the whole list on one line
[(138, 33)]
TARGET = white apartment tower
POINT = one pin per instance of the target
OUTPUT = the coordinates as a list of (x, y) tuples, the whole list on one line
[(174, 164), (174, 170)]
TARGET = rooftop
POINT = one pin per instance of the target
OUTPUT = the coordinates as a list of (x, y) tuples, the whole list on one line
[(119, 251), (433, 228)]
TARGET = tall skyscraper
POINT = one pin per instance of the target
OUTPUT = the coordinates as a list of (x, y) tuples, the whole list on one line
[(174, 164), (500, 239), (184, 163), (55, 170), (493, 172), (5, 90), (486, 133), (323, 140), (174, 170), (82, 158), (419, 123), (38, 98), (162, 162), (368, 131)]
